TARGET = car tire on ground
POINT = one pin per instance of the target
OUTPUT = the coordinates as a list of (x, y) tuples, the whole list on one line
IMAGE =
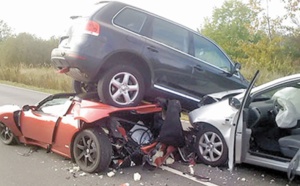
[(121, 86), (92, 150), (211, 146), (6, 136)]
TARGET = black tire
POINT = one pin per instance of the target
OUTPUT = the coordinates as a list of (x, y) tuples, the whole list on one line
[(211, 146), (81, 87), (92, 150), (121, 86), (6, 136)]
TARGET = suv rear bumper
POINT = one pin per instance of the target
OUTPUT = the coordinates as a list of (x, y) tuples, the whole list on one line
[(78, 66)]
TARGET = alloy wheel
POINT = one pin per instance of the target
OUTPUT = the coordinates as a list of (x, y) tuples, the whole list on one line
[(124, 88), (6, 136), (211, 146)]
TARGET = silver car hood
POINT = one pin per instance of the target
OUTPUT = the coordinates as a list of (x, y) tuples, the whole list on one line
[(216, 113), (225, 94)]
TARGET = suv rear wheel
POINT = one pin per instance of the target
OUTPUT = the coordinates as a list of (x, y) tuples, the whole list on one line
[(121, 86)]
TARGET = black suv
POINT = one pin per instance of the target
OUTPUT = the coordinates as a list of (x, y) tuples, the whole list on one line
[(127, 54)]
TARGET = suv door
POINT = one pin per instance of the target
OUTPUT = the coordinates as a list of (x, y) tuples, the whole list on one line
[(167, 49), (212, 70)]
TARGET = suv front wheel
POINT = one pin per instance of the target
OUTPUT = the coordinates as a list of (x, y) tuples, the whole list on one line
[(121, 86)]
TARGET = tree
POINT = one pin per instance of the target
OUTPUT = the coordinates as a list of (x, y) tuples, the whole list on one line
[(230, 25), (292, 41), (26, 49), (5, 31), (249, 35)]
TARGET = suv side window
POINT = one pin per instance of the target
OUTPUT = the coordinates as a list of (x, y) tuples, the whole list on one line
[(210, 53), (170, 34), (130, 19)]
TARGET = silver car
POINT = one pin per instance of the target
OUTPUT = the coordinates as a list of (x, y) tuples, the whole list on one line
[(258, 126)]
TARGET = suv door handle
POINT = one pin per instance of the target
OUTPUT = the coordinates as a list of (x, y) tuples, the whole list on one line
[(198, 67), (152, 49)]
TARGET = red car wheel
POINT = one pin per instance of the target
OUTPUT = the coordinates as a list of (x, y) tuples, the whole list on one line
[(6, 136), (92, 150)]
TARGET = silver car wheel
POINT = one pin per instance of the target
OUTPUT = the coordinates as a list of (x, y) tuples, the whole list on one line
[(123, 88), (211, 146)]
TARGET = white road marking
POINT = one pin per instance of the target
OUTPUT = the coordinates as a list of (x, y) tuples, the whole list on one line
[(169, 169)]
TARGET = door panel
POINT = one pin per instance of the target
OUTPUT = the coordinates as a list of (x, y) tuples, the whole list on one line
[(238, 128), (167, 49), (38, 126)]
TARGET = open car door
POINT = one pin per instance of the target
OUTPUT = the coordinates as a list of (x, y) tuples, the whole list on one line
[(38, 123), (238, 125)]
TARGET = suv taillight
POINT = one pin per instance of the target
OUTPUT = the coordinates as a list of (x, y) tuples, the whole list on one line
[(92, 28)]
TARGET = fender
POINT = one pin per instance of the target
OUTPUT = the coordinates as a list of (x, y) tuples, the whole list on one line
[(7, 113)]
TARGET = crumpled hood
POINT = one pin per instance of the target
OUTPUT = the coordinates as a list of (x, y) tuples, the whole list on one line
[(218, 111)]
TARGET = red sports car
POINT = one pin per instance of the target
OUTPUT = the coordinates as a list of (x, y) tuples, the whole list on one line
[(81, 128)]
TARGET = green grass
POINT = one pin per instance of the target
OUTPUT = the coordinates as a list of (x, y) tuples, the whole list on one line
[(44, 79), (47, 79)]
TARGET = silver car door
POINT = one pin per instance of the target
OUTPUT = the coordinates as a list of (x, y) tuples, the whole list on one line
[(236, 134)]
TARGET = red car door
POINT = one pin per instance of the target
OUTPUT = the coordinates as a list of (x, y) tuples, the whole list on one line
[(39, 122), (38, 126)]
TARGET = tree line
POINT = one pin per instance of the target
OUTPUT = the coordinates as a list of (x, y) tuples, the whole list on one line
[(244, 30), (252, 37), (24, 48)]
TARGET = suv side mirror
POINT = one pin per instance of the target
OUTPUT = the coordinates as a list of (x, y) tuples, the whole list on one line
[(237, 67)]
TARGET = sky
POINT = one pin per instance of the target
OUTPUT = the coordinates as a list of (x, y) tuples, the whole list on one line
[(46, 18)]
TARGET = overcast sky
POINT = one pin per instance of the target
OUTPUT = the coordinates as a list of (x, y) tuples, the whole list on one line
[(46, 18)]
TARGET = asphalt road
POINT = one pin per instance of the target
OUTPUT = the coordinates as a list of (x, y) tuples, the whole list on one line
[(28, 165)]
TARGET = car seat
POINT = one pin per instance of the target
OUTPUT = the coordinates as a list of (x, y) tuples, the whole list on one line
[(288, 118), (289, 145)]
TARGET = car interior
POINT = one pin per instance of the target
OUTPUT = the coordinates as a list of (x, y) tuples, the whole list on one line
[(274, 124)]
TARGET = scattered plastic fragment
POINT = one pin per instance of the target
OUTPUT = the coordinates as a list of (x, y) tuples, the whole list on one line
[(169, 161), (76, 169), (111, 174), (137, 176), (82, 174), (192, 169)]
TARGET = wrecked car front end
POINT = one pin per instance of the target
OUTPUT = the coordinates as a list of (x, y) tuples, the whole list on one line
[(219, 114)]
